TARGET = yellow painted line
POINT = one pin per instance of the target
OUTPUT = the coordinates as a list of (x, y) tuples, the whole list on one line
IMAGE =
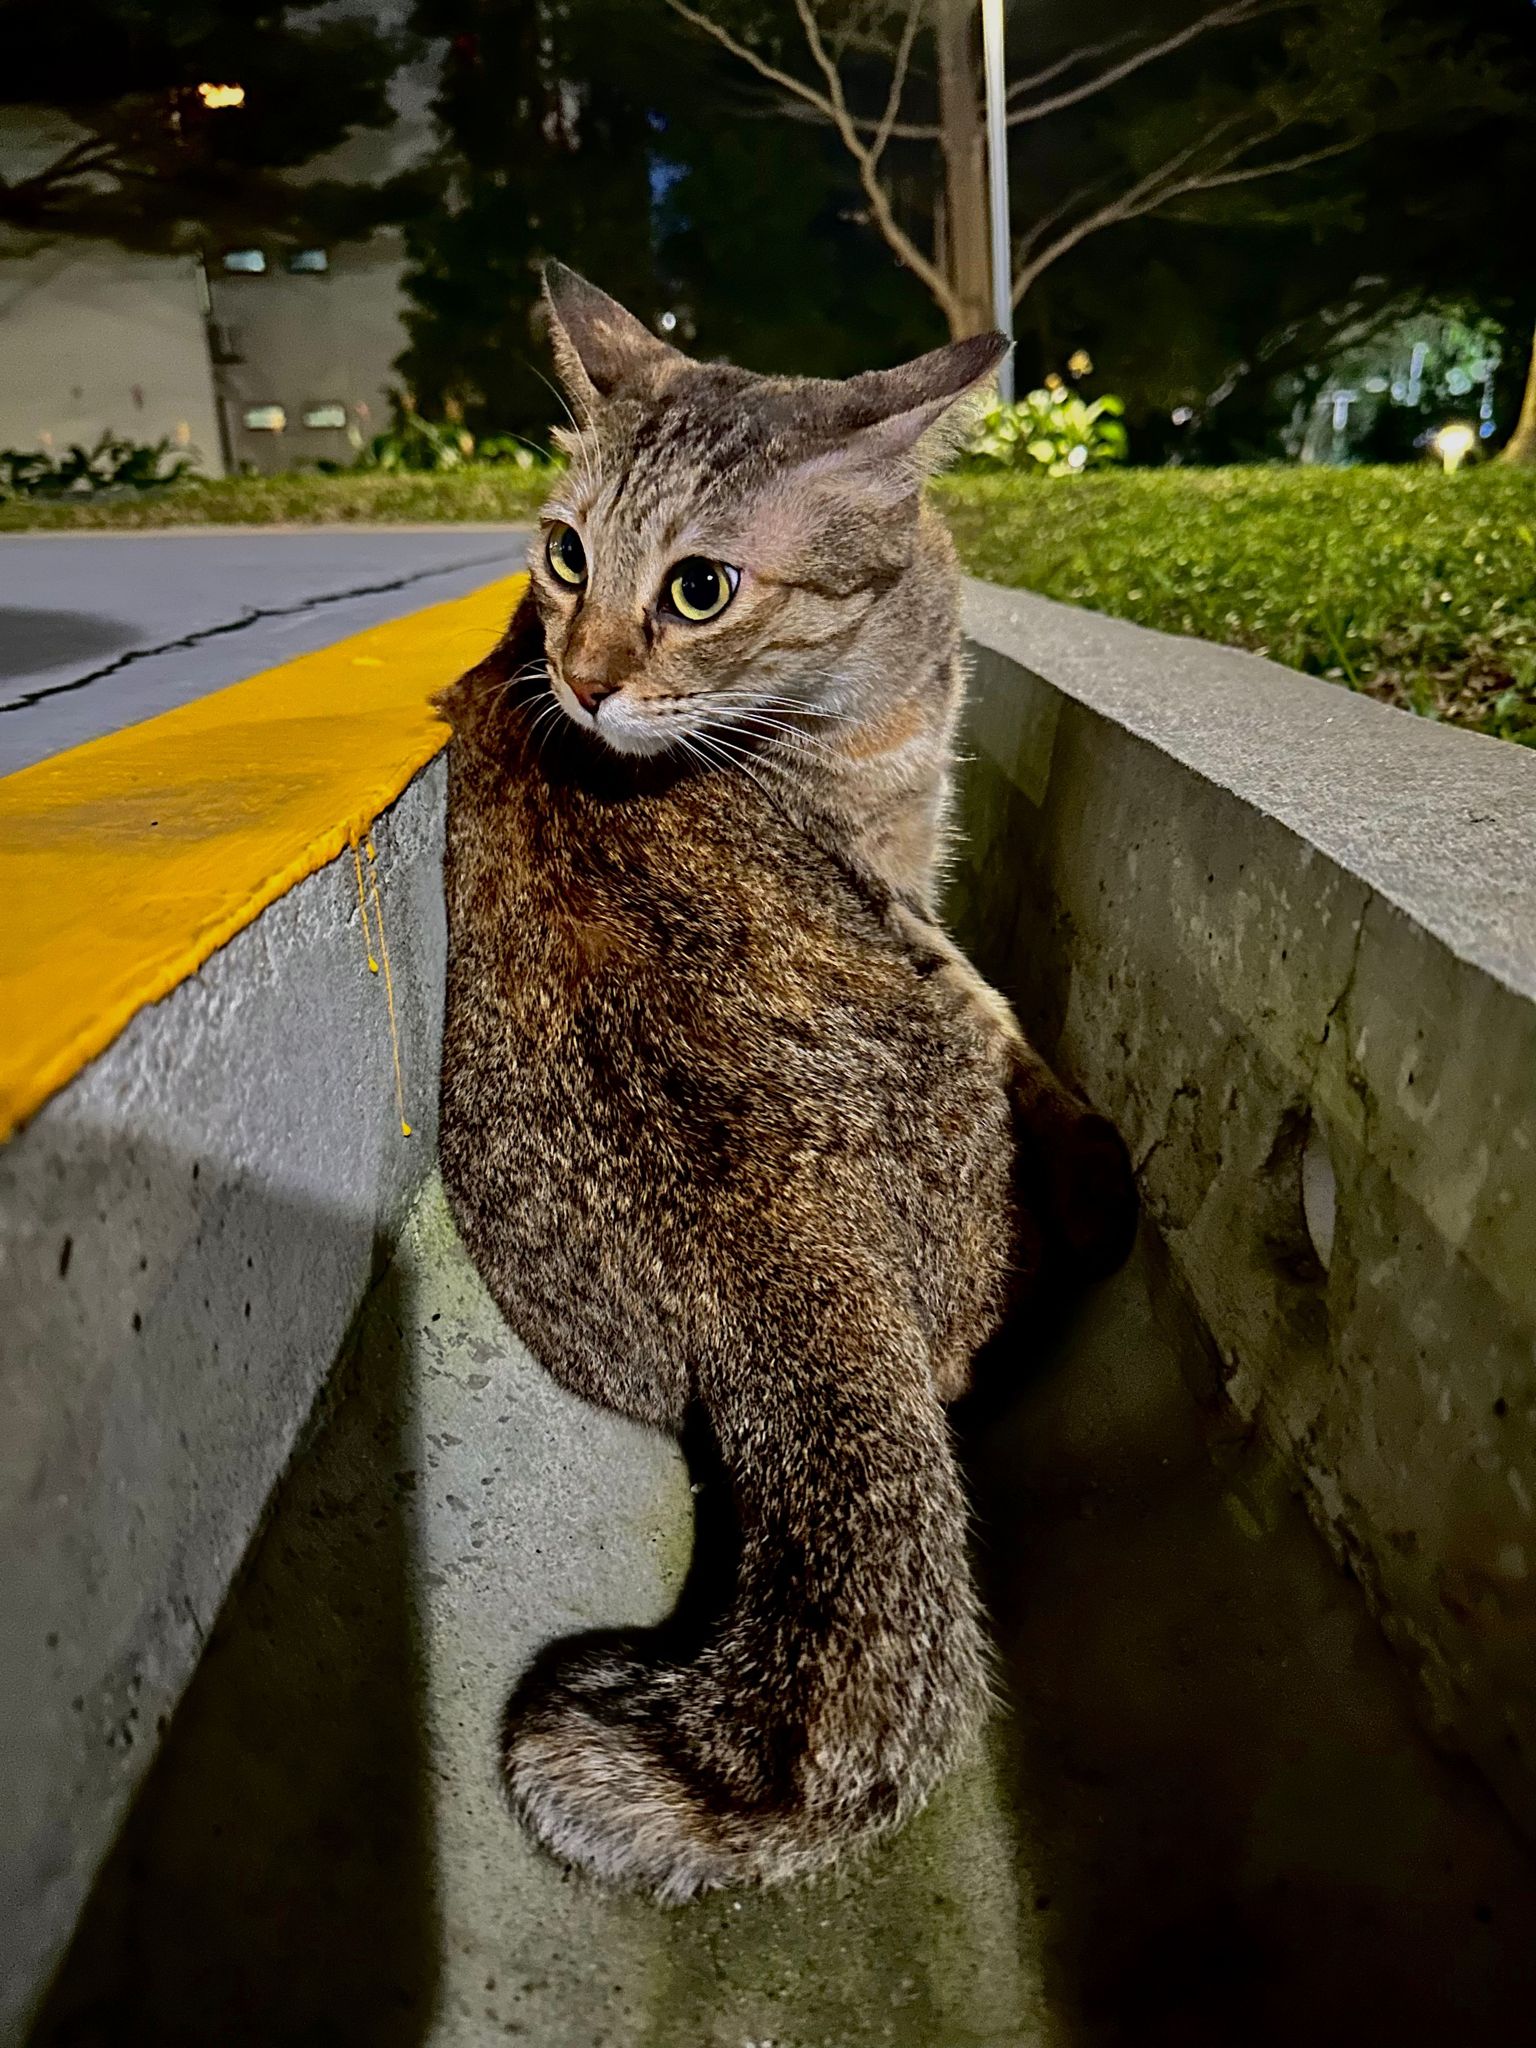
[(126, 862)]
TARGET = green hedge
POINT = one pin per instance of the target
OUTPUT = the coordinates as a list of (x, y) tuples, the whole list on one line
[(304, 498), (1417, 587)]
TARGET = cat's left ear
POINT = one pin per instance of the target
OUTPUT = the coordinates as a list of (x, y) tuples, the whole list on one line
[(885, 415), (598, 346)]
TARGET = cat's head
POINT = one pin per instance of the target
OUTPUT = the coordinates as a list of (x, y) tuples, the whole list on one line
[(713, 556)]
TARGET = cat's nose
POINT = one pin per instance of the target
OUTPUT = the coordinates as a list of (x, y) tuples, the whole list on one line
[(589, 691)]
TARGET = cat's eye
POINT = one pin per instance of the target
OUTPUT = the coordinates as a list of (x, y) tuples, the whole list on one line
[(566, 556), (698, 589)]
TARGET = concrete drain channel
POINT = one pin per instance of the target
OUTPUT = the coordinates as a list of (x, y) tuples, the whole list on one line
[(286, 1510)]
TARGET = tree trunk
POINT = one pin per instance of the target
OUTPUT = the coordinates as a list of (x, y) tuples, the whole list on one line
[(963, 143), (1520, 449)]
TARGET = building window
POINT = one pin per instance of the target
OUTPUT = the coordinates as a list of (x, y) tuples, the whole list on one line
[(265, 419), (245, 262), (326, 418), (309, 262)]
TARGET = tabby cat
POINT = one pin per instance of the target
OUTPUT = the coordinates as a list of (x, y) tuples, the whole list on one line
[(730, 1127)]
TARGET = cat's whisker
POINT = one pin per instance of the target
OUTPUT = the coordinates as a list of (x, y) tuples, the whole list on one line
[(753, 698), (565, 406), (540, 732), (747, 722), (747, 717), (730, 758), (547, 708), (538, 736), (766, 762), (504, 685)]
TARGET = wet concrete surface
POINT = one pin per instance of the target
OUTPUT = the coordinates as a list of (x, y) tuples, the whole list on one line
[(1206, 1816)]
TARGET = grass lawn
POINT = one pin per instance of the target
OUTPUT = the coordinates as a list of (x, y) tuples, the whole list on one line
[(1417, 587)]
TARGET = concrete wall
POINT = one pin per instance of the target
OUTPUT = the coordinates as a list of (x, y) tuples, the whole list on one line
[(94, 340), (302, 341), (1287, 938), (185, 1235)]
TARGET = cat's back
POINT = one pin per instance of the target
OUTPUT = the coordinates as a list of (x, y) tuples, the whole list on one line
[(675, 979)]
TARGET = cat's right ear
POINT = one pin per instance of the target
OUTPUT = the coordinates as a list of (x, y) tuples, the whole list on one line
[(599, 347), (916, 410)]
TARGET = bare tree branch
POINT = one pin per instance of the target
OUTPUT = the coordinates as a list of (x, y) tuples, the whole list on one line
[(1222, 156), (819, 106), (901, 131), (784, 80), (867, 161), (1033, 80), (1041, 228), (1161, 187), (1144, 196), (1273, 170), (1231, 16), (30, 196), (898, 81)]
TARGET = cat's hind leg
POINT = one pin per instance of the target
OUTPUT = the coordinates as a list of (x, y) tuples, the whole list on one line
[(847, 1668)]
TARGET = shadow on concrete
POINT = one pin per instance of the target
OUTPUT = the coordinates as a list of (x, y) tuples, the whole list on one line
[(1210, 1820), (1238, 1834), (35, 640), (275, 1879)]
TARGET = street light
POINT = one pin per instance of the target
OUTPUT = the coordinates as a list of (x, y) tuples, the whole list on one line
[(997, 180), (1454, 443)]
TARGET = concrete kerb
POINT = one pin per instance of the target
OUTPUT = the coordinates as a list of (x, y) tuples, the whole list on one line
[(186, 1233), (1287, 938)]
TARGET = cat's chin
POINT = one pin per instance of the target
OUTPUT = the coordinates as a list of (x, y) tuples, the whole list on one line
[(636, 739)]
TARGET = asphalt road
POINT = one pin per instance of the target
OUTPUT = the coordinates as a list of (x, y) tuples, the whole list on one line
[(100, 630)]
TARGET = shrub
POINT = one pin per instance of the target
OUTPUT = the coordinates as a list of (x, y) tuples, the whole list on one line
[(415, 443), (112, 464), (1050, 432)]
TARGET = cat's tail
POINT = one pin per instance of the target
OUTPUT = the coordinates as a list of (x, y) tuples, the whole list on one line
[(844, 1674)]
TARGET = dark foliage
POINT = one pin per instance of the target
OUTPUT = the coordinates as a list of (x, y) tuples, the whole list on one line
[(126, 149), (601, 132), (1229, 308)]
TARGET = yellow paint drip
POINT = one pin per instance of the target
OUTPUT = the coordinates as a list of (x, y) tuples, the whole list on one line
[(389, 986), (126, 863), (362, 909)]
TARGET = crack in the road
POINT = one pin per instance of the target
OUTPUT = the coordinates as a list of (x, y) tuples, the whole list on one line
[(250, 617)]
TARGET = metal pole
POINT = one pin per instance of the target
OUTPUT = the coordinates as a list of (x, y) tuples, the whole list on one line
[(997, 180)]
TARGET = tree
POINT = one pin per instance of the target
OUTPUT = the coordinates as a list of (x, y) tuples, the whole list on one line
[(1299, 85), (604, 133), (127, 141), (544, 152), (1520, 449), (1239, 313)]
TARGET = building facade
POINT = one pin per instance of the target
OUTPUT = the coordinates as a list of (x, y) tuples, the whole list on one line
[(265, 358)]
